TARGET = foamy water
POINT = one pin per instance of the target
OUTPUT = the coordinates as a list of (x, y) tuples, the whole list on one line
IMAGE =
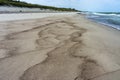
[(111, 19)]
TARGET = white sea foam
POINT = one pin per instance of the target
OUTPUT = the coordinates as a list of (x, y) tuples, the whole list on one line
[(103, 14), (112, 19)]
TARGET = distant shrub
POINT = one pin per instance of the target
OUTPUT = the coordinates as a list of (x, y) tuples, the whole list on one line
[(18, 3)]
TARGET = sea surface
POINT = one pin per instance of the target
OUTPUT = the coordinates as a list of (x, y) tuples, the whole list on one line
[(109, 19)]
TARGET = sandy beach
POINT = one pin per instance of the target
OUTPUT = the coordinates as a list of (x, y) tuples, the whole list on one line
[(58, 47)]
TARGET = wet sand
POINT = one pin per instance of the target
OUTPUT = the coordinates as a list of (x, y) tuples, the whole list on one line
[(59, 48)]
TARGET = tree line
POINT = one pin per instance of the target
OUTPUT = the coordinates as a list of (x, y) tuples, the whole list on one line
[(18, 3)]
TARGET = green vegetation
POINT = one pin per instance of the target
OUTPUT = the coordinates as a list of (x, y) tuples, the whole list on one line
[(18, 3)]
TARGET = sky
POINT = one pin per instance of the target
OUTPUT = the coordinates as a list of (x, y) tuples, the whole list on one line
[(83, 5)]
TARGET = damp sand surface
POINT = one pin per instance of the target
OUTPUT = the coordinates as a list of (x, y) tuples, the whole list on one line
[(66, 47)]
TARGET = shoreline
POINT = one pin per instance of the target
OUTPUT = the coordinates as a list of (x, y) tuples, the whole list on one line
[(64, 47), (107, 21), (107, 25)]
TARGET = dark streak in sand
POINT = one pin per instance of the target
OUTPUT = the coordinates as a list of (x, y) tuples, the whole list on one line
[(62, 62)]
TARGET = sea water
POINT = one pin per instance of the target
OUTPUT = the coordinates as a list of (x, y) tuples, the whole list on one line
[(110, 19)]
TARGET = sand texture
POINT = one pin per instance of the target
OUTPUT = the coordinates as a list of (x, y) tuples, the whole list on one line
[(59, 48)]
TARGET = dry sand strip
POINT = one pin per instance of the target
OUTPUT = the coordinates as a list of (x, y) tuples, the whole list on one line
[(25, 16), (58, 48)]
